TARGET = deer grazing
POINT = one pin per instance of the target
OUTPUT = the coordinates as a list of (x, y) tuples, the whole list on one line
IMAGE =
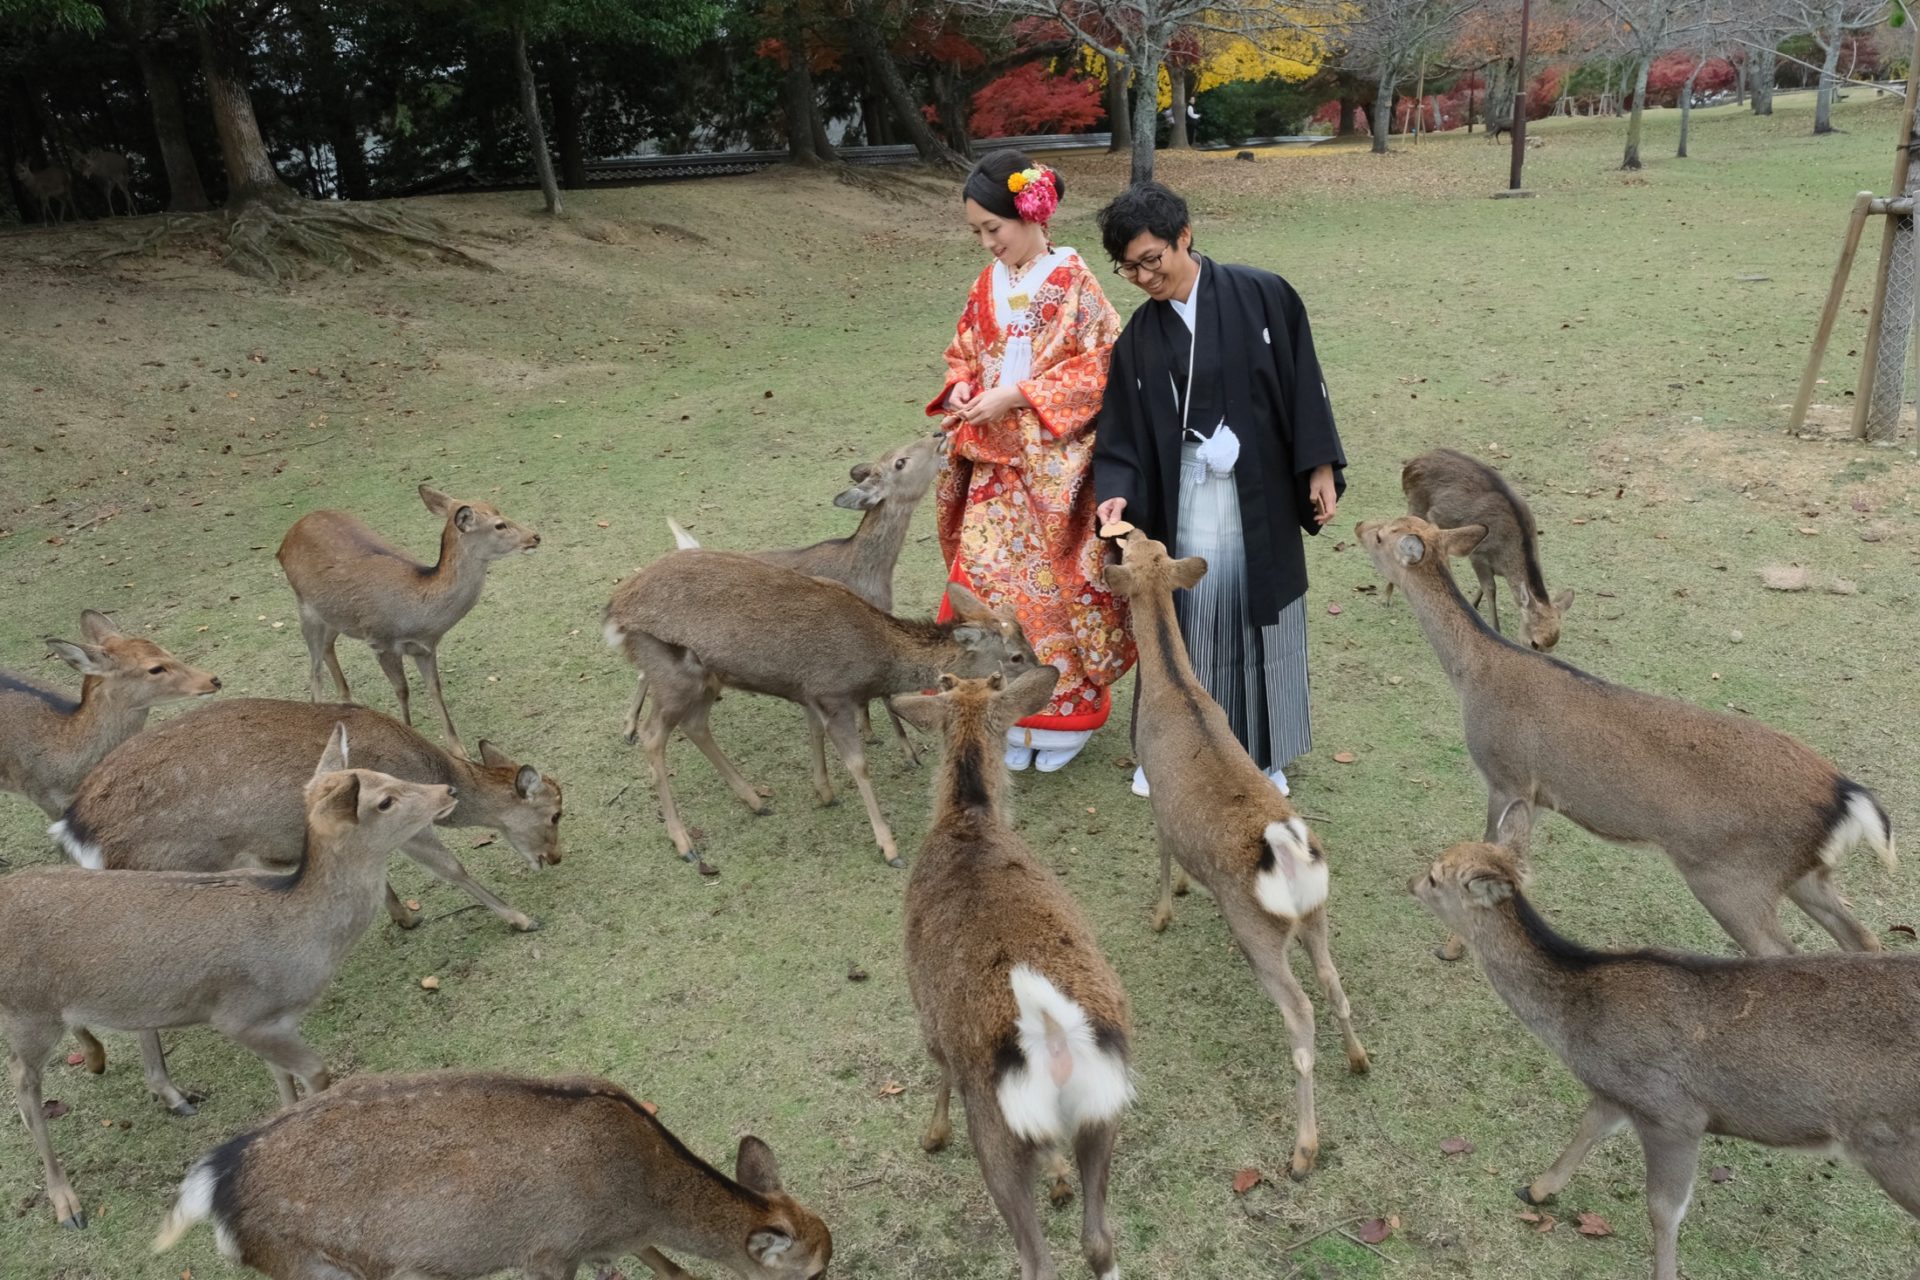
[(1815, 1052), (244, 951), (51, 186), (888, 490), (1451, 490), (350, 581), (220, 787), (48, 741), (463, 1174), (111, 172), (695, 622), (1746, 813), (1019, 1008), (1228, 826)]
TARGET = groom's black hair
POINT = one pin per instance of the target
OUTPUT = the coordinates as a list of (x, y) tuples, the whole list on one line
[(1145, 206)]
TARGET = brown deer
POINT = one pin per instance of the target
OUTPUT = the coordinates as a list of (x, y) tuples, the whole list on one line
[(1814, 1052), (244, 951), (1228, 826), (463, 1174), (350, 581), (1746, 813), (1450, 490), (695, 622), (220, 787), (1019, 1008), (48, 741), (888, 490), (51, 186), (110, 171)]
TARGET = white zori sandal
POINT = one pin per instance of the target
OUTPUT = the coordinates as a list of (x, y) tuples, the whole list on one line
[(1048, 749)]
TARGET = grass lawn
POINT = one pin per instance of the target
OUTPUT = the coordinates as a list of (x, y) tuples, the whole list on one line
[(1623, 346)]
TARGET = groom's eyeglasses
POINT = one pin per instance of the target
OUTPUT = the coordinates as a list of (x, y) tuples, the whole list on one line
[(1148, 264)]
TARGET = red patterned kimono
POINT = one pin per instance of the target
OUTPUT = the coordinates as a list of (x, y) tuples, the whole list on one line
[(1016, 503)]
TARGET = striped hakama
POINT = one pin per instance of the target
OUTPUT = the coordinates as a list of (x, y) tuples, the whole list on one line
[(1258, 675)]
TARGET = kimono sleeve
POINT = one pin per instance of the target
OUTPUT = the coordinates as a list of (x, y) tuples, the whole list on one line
[(1065, 394), (1119, 437), (1305, 408), (963, 354)]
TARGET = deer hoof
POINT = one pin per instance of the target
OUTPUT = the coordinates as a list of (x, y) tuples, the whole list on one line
[(184, 1108), (896, 863), (1358, 1063), (78, 1222), (1300, 1166), (1161, 919), (706, 869), (1450, 950), (1526, 1196), (525, 924), (934, 1141), (1060, 1193)]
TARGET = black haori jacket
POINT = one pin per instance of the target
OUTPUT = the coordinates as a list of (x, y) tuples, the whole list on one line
[(1255, 368)]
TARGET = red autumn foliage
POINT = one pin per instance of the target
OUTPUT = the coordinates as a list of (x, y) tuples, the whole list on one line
[(1029, 100), (1668, 75)]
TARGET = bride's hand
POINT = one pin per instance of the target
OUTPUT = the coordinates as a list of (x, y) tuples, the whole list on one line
[(961, 393)]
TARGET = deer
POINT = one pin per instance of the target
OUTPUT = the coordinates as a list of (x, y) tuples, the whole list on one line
[(1814, 1052), (1449, 489), (888, 489), (694, 622), (1216, 813), (220, 788), (543, 1175), (1746, 813), (247, 952), (48, 741), (51, 186), (1018, 1006), (111, 172), (350, 581)]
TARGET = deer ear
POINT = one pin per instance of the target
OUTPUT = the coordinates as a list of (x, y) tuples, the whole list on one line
[(525, 781), (1410, 549), (1489, 888), (996, 682), (84, 658), (859, 471), (466, 519), (924, 711), (766, 1245), (1119, 580), (338, 799), (1187, 573), (1563, 602), (492, 756), (1025, 696), (97, 625), (967, 605), (1462, 541), (334, 757), (755, 1168), (436, 501)]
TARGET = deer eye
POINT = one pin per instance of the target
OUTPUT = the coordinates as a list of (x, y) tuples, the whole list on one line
[(899, 464), (156, 671), (500, 524), (386, 802), (555, 819)]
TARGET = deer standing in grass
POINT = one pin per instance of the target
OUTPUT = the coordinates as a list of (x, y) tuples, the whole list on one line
[(888, 490), (695, 622), (48, 741), (1746, 813), (110, 171), (220, 787), (52, 187), (1227, 825), (463, 1174), (1813, 1052), (1448, 489), (350, 581), (247, 952), (1019, 1008)]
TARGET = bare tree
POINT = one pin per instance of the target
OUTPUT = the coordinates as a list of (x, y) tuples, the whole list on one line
[(1645, 29), (1831, 23), (1384, 39)]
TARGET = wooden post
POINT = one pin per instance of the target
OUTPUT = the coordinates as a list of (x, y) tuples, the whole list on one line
[(1902, 158), (1857, 223), (1419, 99)]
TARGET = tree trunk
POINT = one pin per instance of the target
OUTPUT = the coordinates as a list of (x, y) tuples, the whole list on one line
[(568, 117), (250, 171), (1823, 102), (1177, 139), (868, 41), (1382, 113), (1348, 106), (873, 120), (799, 87), (1763, 83), (1146, 111), (530, 117), (822, 145), (951, 99), (1119, 111), (1686, 108), (185, 194), (1632, 158), (327, 81), (1740, 76)]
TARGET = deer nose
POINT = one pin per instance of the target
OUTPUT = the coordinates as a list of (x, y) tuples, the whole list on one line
[(214, 681), (453, 793)]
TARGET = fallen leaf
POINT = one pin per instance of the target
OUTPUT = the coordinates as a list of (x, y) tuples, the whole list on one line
[(429, 983), (604, 524), (1344, 757), (1334, 609), (1720, 1173), (1576, 521), (1843, 587), (1374, 1230), (1808, 530), (1786, 577), (1395, 680), (1456, 1147), (1542, 1222), (53, 1108), (856, 974), (650, 1108), (484, 841), (1592, 1224), (1246, 1180), (892, 1089)]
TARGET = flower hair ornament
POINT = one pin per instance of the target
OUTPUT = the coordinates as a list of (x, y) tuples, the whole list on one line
[(1036, 194)]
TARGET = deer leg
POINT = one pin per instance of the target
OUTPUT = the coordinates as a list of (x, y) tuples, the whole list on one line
[(95, 1052), (1602, 1119), (319, 644), (399, 912), (153, 1063), (425, 848), (1313, 932), (278, 1044), (939, 1127), (817, 749), (701, 735), (630, 728), (429, 665), (907, 744), (1163, 910), (663, 1267), (653, 740), (1006, 1162), (1814, 894), (32, 1043), (1673, 1157), (1059, 1191), (1268, 953), (1748, 911), (397, 677), (846, 740), (1489, 587), (1898, 1175), (864, 716), (1093, 1152)]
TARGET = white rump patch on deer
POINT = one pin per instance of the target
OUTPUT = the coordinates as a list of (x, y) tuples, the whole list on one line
[(614, 634), (1295, 884), (87, 855), (196, 1205), (1067, 1080), (1860, 823)]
